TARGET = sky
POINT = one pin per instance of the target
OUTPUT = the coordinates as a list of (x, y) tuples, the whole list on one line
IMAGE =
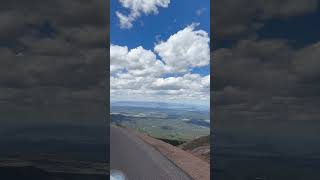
[(53, 80), (160, 51), (53, 61), (265, 87), (264, 61)]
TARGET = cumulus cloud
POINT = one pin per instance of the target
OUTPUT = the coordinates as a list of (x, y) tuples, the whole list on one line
[(138, 7), (137, 61), (187, 48), (190, 87), (265, 82), (54, 56), (253, 64), (138, 74), (187, 81), (306, 62)]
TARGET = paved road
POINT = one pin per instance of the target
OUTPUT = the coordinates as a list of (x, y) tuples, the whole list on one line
[(138, 160)]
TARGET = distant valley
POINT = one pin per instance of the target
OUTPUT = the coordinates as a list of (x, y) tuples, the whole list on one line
[(163, 120)]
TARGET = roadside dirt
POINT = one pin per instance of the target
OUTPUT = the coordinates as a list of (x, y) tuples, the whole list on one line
[(195, 167)]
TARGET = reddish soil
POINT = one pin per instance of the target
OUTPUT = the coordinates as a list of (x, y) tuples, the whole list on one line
[(195, 167)]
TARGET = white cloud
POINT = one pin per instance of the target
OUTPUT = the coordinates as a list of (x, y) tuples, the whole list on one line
[(199, 12), (187, 48), (187, 81), (125, 21), (137, 61), (182, 89), (137, 7), (118, 57), (137, 74)]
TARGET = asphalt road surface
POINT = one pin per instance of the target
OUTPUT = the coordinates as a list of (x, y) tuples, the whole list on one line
[(138, 160)]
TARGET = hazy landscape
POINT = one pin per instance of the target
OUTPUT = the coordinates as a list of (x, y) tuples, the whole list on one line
[(163, 120), (54, 150), (246, 157)]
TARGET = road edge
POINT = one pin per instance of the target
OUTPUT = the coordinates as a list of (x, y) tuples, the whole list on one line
[(193, 166)]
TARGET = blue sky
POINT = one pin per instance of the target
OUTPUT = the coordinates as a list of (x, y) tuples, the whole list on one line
[(178, 15), (148, 30)]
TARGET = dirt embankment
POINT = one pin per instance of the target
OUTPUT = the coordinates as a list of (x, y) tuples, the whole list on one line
[(199, 147), (195, 167)]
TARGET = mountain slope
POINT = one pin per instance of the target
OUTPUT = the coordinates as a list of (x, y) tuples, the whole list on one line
[(200, 147)]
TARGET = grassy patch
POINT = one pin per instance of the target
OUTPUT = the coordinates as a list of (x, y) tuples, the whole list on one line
[(172, 141), (201, 141)]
